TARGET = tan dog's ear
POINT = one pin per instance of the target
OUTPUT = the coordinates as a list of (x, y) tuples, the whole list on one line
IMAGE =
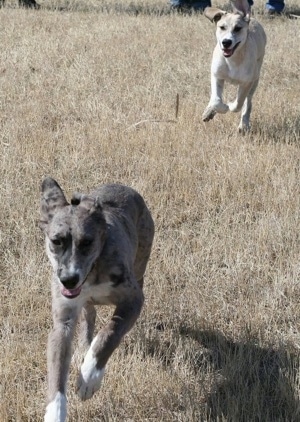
[(242, 6), (52, 198), (214, 14)]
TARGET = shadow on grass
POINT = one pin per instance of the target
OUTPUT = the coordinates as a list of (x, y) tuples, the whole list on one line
[(256, 384), (286, 130), (249, 383)]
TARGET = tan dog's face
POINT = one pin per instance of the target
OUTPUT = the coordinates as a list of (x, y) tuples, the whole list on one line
[(232, 32)]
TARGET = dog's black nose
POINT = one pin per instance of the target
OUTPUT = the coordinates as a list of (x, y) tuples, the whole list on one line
[(226, 43), (69, 281)]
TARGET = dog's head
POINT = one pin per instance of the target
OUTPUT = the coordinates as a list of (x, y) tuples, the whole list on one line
[(232, 28), (75, 235)]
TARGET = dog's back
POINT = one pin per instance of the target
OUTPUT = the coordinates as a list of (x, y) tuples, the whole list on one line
[(258, 35), (120, 199), (130, 223)]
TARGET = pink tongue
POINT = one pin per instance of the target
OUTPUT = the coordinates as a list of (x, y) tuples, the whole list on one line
[(71, 293), (227, 51)]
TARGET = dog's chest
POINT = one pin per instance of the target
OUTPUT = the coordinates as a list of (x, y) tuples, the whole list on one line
[(237, 75), (100, 293)]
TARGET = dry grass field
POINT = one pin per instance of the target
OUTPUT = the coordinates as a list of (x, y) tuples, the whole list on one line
[(88, 94)]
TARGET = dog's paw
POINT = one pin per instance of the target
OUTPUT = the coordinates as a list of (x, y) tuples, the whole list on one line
[(90, 378), (220, 107), (244, 125), (243, 128), (88, 384), (209, 114), (234, 106), (56, 411)]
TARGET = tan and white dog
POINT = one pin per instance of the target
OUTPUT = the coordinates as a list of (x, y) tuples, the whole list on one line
[(99, 246), (237, 59)]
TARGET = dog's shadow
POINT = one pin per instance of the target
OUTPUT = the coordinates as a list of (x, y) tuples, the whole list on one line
[(252, 383), (285, 130)]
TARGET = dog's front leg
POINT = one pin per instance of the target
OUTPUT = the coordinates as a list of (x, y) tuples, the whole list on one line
[(103, 345), (215, 104), (58, 361)]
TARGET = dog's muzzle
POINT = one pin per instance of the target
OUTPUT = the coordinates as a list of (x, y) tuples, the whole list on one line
[(69, 282), (227, 49)]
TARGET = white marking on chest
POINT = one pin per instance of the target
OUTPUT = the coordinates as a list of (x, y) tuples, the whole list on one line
[(99, 293), (56, 411)]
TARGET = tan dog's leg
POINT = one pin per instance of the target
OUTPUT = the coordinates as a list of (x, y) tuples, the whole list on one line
[(243, 91), (215, 104), (246, 111)]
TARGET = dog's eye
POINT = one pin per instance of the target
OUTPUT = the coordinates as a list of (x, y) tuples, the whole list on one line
[(223, 27), (57, 242), (86, 243), (237, 29)]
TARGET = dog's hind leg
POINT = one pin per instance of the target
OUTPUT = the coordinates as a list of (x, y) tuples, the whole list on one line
[(242, 93), (86, 328), (244, 125), (87, 325)]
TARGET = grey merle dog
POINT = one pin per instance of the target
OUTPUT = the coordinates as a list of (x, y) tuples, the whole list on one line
[(99, 246)]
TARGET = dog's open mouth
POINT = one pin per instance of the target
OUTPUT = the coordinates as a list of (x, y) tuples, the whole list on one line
[(228, 52), (71, 293)]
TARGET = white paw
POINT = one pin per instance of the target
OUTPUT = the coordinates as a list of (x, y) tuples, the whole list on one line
[(56, 411), (233, 106), (220, 107), (216, 106), (209, 113), (90, 378)]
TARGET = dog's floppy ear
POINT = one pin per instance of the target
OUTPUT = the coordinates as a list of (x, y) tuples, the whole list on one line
[(214, 14), (97, 206), (51, 199), (242, 6), (91, 204), (95, 209), (76, 198)]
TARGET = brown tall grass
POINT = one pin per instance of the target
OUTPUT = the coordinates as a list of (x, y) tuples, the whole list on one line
[(88, 95)]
